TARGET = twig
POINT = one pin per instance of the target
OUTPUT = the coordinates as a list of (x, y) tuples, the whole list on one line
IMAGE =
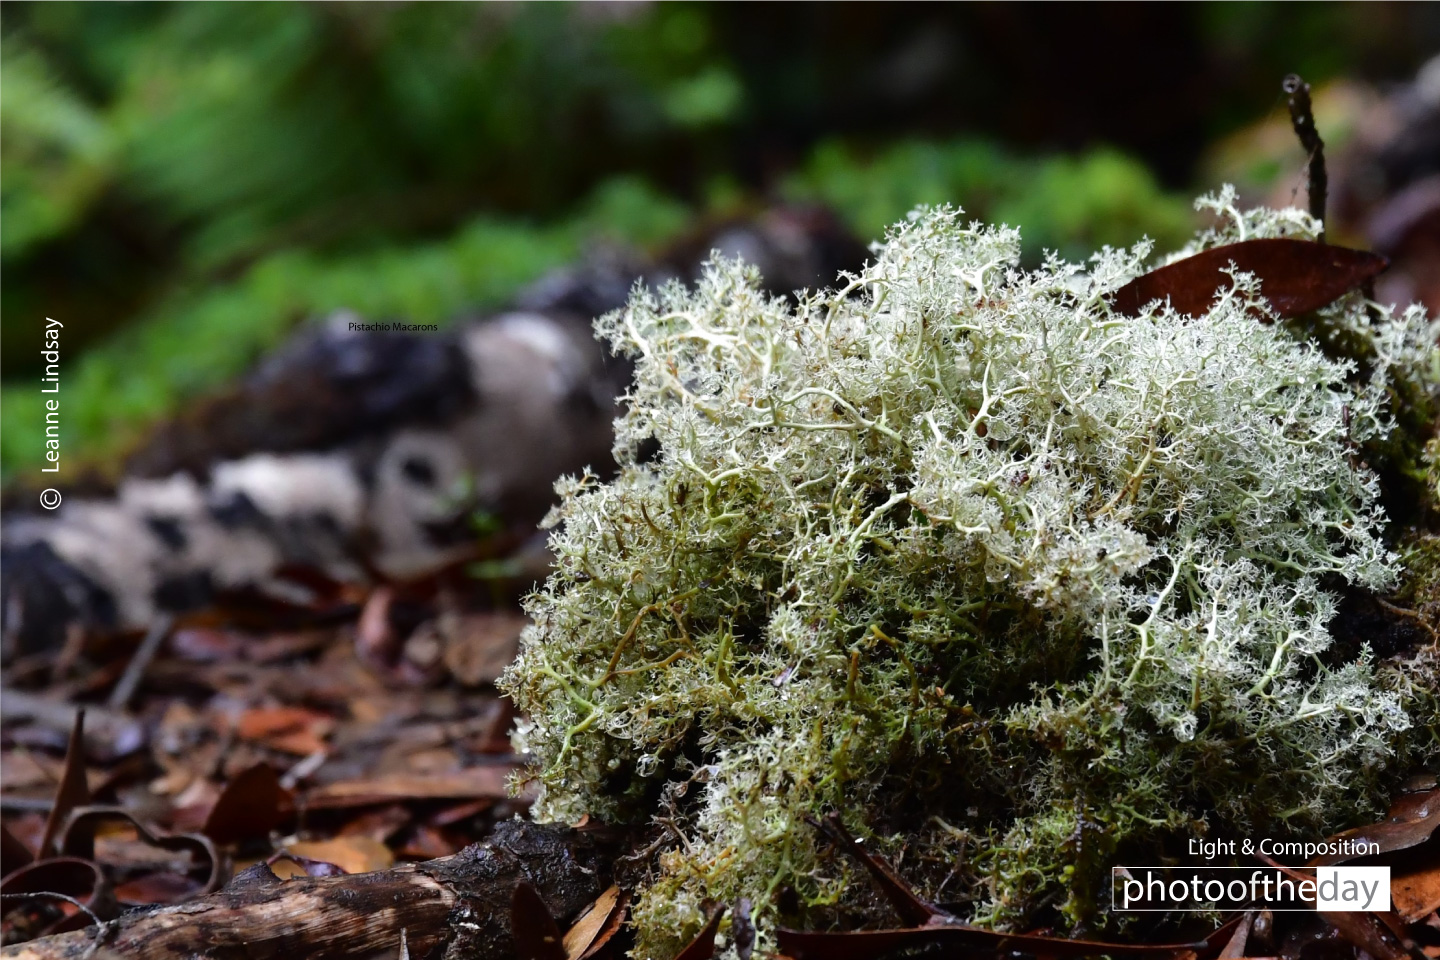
[(135, 669), (32, 894), (1303, 120), (460, 902)]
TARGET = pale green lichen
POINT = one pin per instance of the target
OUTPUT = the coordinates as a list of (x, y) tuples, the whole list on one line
[(1013, 582)]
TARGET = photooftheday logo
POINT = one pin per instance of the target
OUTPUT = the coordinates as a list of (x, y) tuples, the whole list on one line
[(1334, 889)]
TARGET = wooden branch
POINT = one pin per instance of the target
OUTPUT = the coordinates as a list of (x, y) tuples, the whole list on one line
[(458, 904)]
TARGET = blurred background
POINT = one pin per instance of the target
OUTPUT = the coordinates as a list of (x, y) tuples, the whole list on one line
[(182, 184)]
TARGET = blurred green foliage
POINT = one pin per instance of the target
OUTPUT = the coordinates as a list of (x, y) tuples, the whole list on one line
[(1070, 204), (182, 183)]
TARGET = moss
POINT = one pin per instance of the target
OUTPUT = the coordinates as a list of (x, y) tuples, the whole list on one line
[(1018, 585)]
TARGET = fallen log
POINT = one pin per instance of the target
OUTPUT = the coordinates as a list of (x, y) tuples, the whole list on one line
[(452, 907)]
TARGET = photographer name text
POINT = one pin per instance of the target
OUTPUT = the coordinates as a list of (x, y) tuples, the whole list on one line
[(50, 383)]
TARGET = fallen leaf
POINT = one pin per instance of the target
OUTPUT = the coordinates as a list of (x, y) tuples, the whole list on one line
[(1366, 931), (1296, 276), (265, 723), (587, 926), (479, 646), (536, 935), (84, 822), (379, 825), (1361, 929), (73, 791), (1412, 820), (251, 805), (612, 927), (424, 842), (703, 946), (482, 781), (284, 646), (299, 743), (1416, 895), (353, 854), (20, 769), (464, 811)]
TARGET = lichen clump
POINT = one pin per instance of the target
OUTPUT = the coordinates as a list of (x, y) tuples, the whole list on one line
[(1014, 583)]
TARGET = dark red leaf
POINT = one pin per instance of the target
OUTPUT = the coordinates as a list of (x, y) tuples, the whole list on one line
[(1296, 276), (1413, 819), (250, 806), (73, 792), (537, 937), (703, 946)]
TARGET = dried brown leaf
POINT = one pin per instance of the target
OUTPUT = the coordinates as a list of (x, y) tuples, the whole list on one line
[(582, 933), (73, 791), (1415, 895), (353, 854), (474, 782)]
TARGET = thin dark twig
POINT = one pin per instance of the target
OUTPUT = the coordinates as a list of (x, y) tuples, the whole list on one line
[(102, 928), (1302, 119), (135, 670), (30, 895)]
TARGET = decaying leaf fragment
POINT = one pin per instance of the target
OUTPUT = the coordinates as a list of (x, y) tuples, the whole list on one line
[(1296, 276)]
